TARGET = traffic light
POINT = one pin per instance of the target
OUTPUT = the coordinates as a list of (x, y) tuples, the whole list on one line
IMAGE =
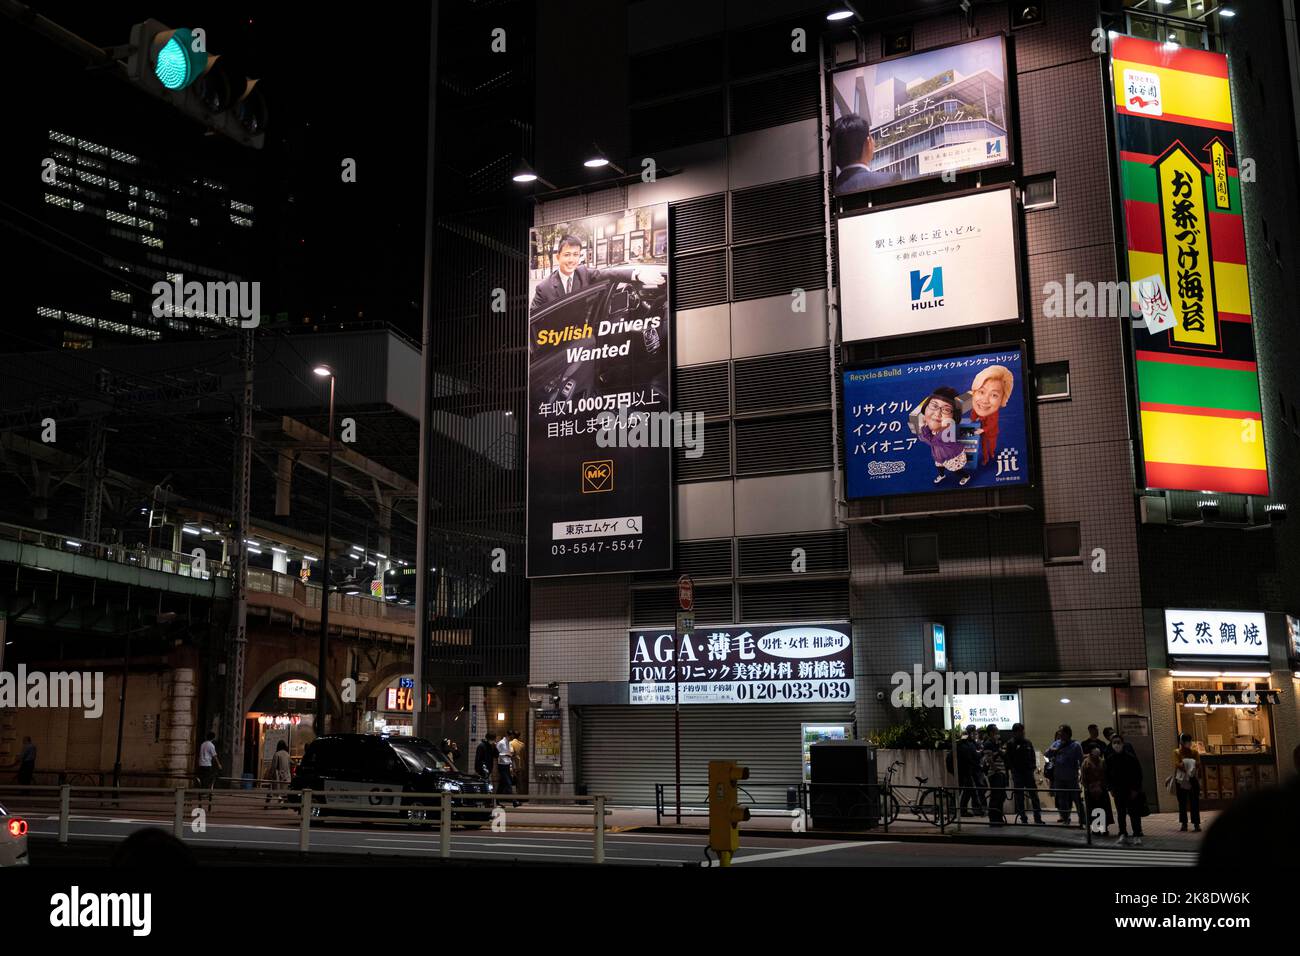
[(725, 812), (175, 66)]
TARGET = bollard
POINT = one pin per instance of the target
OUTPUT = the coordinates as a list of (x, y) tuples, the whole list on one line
[(304, 825), (444, 828), (178, 821), (598, 838), (65, 812)]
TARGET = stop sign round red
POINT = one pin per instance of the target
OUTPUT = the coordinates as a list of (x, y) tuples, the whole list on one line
[(685, 592)]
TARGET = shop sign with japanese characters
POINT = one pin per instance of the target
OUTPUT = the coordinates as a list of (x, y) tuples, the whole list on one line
[(1215, 634), (742, 664)]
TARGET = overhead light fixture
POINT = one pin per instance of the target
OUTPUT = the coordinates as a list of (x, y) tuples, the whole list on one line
[(280, 550), (323, 370), (69, 541), (1227, 12), (205, 529), (379, 555), (308, 557), (524, 173), (1065, 700), (840, 13), (599, 160), (188, 530), (253, 550)]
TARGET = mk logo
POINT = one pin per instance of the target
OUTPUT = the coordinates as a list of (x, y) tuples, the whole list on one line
[(597, 476)]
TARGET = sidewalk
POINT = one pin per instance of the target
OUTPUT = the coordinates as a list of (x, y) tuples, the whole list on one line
[(1159, 831)]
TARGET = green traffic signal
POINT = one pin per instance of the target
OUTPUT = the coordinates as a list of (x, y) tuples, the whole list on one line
[(177, 64)]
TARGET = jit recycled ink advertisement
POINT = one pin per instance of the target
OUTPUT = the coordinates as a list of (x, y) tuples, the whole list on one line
[(1199, 410), (919, 116), (742, 664), (599, 350), (937, 424)]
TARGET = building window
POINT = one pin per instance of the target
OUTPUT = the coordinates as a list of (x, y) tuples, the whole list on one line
[(921, 552), (1053, 381), (1040, 192), (1061, 543)]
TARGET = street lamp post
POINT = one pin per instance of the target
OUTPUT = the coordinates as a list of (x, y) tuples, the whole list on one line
[(325, 372)]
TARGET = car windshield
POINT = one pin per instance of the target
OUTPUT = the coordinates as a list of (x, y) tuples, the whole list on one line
[(421, 756)]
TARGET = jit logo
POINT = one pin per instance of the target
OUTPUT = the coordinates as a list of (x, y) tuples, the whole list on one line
[(597, 476)]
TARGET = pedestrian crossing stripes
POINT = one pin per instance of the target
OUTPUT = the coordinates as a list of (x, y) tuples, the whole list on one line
[(1104, 856)]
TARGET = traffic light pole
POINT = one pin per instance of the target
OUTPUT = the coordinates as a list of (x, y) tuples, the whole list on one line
[(677, 717), (423, 597), (232, 724)]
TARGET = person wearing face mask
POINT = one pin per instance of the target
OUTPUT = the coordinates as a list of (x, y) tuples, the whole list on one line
[(1124, 780)]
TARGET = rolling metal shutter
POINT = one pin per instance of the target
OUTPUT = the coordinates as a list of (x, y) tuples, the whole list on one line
[(625, 751)]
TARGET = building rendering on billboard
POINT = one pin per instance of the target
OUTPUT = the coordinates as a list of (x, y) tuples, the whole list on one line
[(1197, 381), (929, 266), (599, 368), (914, 117), (742, 664), (936, 424)]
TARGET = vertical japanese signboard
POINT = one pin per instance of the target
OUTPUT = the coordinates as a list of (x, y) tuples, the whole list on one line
[(599, 365), (1197, 379)]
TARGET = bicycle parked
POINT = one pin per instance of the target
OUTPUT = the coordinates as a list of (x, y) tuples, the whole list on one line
[(932, 804)]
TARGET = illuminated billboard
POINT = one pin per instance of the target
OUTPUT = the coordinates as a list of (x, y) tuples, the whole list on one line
[(938, 424), (1197, 379), (914, 117), (600, 491), (928, 266)]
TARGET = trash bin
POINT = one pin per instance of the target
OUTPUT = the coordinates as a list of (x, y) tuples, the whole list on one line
[(248, 781)]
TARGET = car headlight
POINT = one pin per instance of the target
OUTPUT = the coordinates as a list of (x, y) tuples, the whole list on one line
[(489, 788), (450, 785)]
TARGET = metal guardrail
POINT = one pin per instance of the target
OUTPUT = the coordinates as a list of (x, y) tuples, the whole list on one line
[(190, 809), (139, 556)]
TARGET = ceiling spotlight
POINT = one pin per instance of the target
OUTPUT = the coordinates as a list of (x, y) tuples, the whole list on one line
[(596, 162), (599, 160), (840, 13)]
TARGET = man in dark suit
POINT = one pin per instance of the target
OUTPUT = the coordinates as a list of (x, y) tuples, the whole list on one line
[(568, 278), (853, 149)]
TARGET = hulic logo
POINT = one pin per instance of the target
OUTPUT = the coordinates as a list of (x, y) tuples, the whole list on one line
[(930, 284), (993, 148)]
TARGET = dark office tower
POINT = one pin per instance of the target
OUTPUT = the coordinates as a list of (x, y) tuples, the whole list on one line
[(476, 485)]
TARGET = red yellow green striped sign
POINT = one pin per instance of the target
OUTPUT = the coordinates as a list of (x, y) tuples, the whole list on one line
[(1197, 382)]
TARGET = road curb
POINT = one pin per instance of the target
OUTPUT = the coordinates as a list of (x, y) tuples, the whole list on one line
[(874, 836)]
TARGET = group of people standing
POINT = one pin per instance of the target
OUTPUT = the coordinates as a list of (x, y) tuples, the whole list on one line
[(503, 752), (1087, 775)]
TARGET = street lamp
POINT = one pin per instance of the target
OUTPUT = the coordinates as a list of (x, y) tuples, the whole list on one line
[(324, 371)]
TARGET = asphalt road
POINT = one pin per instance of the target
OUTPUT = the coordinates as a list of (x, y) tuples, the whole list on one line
[(525, 845)]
